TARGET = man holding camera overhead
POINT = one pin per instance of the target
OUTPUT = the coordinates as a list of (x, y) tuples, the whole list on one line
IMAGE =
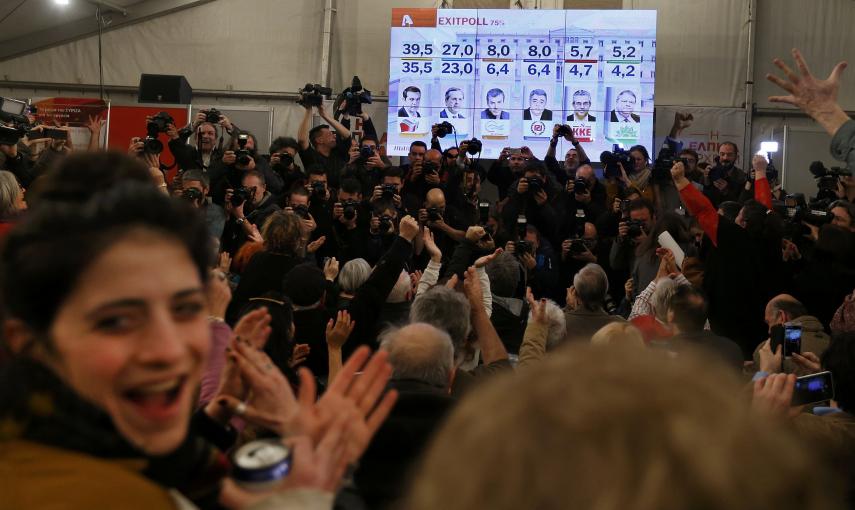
[(321, 146), (207, 149)]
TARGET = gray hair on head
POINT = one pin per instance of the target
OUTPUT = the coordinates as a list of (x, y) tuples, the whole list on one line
[(419, 352), (445, 309), (9, 191), (555, 324), (665, 288), (592, 285), (504, 274), (353, 274)]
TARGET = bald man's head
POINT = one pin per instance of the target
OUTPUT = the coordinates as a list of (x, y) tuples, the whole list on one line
[(434, 156), (420, 352), (435, 198), (783, 308)]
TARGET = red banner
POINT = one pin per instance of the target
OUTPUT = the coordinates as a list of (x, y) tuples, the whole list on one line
[(75, 113), (127, 122)]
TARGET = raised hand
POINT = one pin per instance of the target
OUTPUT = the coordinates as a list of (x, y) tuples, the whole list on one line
[(339, 331)]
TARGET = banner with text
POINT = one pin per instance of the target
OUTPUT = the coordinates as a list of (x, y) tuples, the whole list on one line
[(710, 128)]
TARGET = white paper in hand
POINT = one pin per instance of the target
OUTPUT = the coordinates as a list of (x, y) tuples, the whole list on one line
[(667, 241)]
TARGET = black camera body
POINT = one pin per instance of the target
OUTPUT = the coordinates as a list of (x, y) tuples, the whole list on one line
[(242, 155), (156, 125), (10, 135), (636, 228), (286, 159), (577, 246), (434, 214), (534, 185), (301, 210), (365, 152), (319, 189), (385, 224), (826, 181), (444, 128), (389, 190), (241, 195), (473, 146), (564, 130), (429, 167), (612, 160), (212, 116), (192, 194), (355, 96), (666, 159), (313, 94), (523, 247), (349, 209), (580, 186)]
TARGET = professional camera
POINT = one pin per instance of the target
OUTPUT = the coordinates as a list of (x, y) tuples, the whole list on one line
[(242, 155), (434, 214), (444, 128), (473, 146), (389, 190), (796, 212), (429, 167), (564, 130), (241, 195), (666, 159), (285, 159), (14, 112), (385, 223), (192, 194), (534, 185), (610, 161), (365, 152), (826, 181), (301, 210), (349, 208), (11, 135), (313, 95), (213, 115), (319, 189), (156, 125), (580, 186), (636, 228), (355, 96)]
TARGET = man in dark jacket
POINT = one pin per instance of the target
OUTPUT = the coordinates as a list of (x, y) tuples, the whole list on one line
[(687, 315), (246, 213)]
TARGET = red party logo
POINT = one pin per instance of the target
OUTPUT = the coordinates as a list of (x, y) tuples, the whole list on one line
[(538, 127)]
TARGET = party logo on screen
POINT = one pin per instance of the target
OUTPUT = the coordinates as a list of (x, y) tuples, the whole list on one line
[(410, 18), (538, 128)]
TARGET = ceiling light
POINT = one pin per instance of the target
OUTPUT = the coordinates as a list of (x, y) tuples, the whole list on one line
[(61, 2)]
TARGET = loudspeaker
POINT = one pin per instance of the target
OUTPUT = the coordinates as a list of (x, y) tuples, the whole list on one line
[(162, 88)]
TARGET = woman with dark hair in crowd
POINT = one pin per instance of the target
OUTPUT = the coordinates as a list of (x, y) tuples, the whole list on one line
[(646, 263), (12, 202), (744, 267), (640, 175), (283, 242), (109, 341)]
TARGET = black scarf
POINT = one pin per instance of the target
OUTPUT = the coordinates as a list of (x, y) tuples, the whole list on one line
[(46, 411)]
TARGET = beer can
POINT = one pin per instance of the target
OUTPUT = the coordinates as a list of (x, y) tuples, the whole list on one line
[(261, 464)]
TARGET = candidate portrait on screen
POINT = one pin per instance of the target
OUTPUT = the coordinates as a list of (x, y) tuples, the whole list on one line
[(537, 106), (453, 104), (581, 107), (495, 105), (624, 107), (412, 98)]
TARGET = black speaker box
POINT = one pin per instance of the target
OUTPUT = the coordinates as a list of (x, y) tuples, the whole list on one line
[(162, 88)]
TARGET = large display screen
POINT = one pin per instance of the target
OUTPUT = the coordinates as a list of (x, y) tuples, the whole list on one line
[(507, 77)]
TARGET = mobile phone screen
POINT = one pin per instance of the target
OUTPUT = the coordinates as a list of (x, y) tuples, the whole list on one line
[(813, 388), (792, 340)]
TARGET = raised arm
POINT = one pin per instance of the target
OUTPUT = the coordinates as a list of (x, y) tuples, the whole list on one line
[(303, 130), (492, 348), (696, 202), (342, 131), (762, 189)]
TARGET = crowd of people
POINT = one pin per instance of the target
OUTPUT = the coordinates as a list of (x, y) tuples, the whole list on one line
[(580, 342)]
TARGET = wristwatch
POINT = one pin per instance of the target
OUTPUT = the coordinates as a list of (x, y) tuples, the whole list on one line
[(240, 221)]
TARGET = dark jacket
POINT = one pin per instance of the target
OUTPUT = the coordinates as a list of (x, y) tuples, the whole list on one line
[(719, 347), (264, 273), (582, 324), (509, 317), (233, 233), (386, 465)]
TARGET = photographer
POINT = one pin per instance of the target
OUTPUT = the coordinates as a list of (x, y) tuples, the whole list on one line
[(582, 197), (637, 220), (843, 214), (390, 188), (241, 158), (141, 150), (508, 168), (421, 180), (321, 210), (541, 263), (247, 206), (13, 159), (415, 158), (533, 197), (383, 229), (442, 222), (282, 152), (206, 150), (194, 187), (573, 159), (581, 249), (323, 147), (351, 220), (365, 164)]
